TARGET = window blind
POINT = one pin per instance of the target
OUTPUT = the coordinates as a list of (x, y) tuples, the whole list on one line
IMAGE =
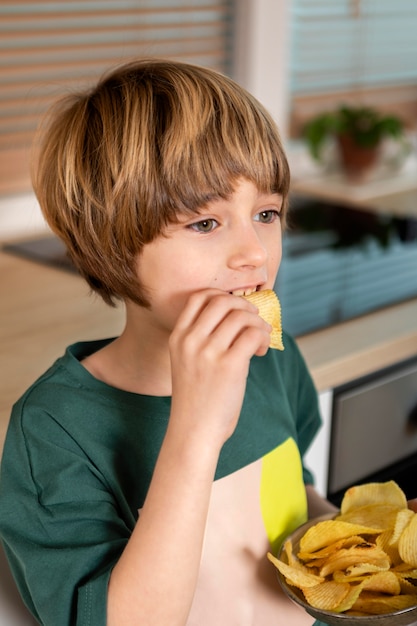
[(48, 48), (353, 47)]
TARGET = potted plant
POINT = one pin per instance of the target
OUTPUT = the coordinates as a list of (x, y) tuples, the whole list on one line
[(358, 131)]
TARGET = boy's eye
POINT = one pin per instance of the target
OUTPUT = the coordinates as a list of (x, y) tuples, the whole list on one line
[(267, 217), (204, 226)]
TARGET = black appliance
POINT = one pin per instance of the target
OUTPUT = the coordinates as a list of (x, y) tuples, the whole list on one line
[(374, 431)]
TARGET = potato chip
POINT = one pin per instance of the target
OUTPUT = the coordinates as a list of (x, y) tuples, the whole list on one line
[(377, 604), (375, 515), (383, 541), (368, 553), (373, 493), (383, 582), (324, 553), (408, 582), (405, 571), (401, 522), (296, 575), (407, 543), (350, 599), (327, 595), (361, 562), (329, 531), (291, 559), (270, 310), (357, 573)]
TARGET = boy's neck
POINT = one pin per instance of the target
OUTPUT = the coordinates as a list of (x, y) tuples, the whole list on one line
[(133, 362)]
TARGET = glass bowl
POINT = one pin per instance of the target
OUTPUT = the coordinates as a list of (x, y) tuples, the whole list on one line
[(404, 617)]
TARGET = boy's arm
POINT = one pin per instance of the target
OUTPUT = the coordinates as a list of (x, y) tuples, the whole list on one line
[(211, 347), (317, 505), (412, 504), (154, 580)]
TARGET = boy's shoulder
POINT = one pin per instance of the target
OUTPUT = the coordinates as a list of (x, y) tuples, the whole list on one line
[(59, 386), (66, 369)]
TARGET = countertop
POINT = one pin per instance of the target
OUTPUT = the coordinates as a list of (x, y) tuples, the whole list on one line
[(43, 309), (381, 192)]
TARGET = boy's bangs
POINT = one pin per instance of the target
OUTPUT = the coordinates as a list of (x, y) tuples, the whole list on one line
[(219, 182), (214, 161)]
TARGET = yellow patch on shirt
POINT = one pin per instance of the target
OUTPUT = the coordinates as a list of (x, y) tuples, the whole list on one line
[(282, 492)]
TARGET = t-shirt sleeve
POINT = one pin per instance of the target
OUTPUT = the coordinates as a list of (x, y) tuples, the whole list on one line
[(59, 522), (305, 405)]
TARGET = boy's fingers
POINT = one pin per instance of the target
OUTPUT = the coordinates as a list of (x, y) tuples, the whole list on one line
[(208, 308)]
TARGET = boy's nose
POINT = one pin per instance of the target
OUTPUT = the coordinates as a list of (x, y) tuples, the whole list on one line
[(247, 250)]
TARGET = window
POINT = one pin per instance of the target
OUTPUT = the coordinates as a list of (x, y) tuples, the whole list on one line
[(344, 50), (50, 47)]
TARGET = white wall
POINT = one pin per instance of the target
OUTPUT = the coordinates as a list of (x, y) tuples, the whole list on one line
[(20, 215), (262, 54), (317, 457)]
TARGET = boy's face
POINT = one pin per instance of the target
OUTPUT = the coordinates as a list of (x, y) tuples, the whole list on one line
[(233, 245)]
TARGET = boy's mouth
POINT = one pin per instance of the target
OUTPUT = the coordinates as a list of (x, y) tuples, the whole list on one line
[(245, 292)]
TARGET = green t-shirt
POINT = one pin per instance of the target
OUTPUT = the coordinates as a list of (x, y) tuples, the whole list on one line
[(78, 460)]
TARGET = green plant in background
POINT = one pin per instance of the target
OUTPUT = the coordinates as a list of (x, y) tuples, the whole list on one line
[(364, 126)]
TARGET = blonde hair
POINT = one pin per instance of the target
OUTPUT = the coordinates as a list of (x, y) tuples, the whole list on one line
[(153, 140)]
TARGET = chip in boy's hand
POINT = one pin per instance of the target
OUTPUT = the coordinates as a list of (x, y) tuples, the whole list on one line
[(270, 310), (363, 561)]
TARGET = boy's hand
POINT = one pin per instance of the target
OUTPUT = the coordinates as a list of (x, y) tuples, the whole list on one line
[(211, 346), (412, 504)]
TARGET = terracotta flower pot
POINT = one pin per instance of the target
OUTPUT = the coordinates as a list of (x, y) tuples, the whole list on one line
[(357, 161)]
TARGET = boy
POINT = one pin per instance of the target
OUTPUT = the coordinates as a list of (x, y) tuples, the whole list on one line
[(145, 477)]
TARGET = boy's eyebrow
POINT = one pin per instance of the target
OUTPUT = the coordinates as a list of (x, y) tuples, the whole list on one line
[(274, 195)]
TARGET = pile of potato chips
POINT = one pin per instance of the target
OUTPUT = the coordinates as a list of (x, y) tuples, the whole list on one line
[(361, 562)]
